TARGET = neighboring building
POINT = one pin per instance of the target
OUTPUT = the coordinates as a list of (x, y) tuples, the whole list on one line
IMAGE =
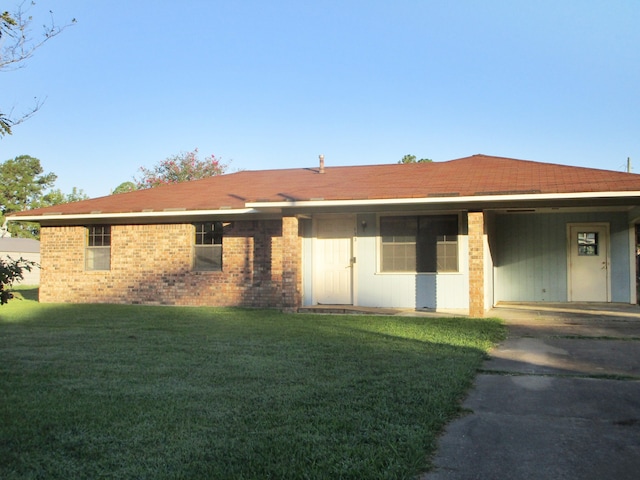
[(460, 235), (26, 248)]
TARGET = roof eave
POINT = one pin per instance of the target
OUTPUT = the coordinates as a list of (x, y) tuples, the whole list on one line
[(257, 208), (164, 214), (483, 199)]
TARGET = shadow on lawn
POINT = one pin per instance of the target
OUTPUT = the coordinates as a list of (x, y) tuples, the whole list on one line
[(236, 392), (26, 292)]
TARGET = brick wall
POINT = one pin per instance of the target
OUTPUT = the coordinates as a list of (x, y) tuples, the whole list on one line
[(291, 264), (151, 264), (476, 264)]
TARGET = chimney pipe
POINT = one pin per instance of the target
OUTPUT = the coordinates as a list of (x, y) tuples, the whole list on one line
[(321, 170)]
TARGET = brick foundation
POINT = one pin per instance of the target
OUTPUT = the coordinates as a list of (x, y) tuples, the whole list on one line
[(151, 264)]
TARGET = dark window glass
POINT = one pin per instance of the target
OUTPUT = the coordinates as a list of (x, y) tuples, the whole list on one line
[(424, 244), (588, 244), (207, 252)]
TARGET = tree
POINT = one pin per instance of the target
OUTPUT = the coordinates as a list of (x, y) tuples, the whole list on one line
[(12, 271), (76, 195), (22, 183), (56, 197), (125, 187), (412, 159), (183, 167), (23, 186), (16, 47)]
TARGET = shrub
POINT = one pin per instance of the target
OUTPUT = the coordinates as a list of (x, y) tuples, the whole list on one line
[(12, 271)]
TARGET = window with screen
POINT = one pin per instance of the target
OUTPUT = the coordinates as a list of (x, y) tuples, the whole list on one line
[(207, 250), (98, 248), (423, 244)]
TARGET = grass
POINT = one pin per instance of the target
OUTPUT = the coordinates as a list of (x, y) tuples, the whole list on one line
[(114, 391)]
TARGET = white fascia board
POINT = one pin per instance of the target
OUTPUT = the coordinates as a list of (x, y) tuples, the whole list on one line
[(133, 215), (442, 200), (259, 207)]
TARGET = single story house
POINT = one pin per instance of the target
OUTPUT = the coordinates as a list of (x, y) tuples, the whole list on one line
[(26, 248), (459, 235)]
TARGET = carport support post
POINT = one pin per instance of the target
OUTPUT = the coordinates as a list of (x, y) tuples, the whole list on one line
[(475, 222), (291, 265)]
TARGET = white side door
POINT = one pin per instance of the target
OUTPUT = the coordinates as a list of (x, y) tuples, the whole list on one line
[(589, 279), (333, 260)]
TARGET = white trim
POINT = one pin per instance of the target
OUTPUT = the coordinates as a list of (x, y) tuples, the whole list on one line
[(159, 214), (633, 292), (259, 207), (443, 200)]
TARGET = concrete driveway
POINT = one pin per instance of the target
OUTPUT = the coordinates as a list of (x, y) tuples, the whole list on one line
[(558, 399)]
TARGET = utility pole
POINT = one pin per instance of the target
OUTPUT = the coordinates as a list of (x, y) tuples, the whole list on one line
[(628, 164)]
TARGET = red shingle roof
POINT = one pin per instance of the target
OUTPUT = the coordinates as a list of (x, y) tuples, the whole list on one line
[(470, 176)]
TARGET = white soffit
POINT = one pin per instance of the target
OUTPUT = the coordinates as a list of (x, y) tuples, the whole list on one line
[(136, 215), (443, 200), (273, 207)]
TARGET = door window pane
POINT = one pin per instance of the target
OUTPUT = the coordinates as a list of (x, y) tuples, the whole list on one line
[(588, 244)]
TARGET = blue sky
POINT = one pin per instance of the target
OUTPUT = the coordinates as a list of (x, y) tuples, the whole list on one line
[(273, 84)]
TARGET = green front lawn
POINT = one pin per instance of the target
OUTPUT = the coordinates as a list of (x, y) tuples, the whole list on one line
[(113, 391)]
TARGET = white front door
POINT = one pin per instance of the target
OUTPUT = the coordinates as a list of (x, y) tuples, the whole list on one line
[(333, 260), (589, 263)]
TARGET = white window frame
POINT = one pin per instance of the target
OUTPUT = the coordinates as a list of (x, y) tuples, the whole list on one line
[(95, 249), (203, 251)]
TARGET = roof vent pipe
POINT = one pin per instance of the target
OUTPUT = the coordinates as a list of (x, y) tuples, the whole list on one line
[(321, 170)]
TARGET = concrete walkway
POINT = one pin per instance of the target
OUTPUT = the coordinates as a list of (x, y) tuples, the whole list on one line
[(558, 399)]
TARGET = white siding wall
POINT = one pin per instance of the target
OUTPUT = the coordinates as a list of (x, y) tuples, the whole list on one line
[(307, 262), (448, 291), (531, 255), (488, 270), (444, 291)]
